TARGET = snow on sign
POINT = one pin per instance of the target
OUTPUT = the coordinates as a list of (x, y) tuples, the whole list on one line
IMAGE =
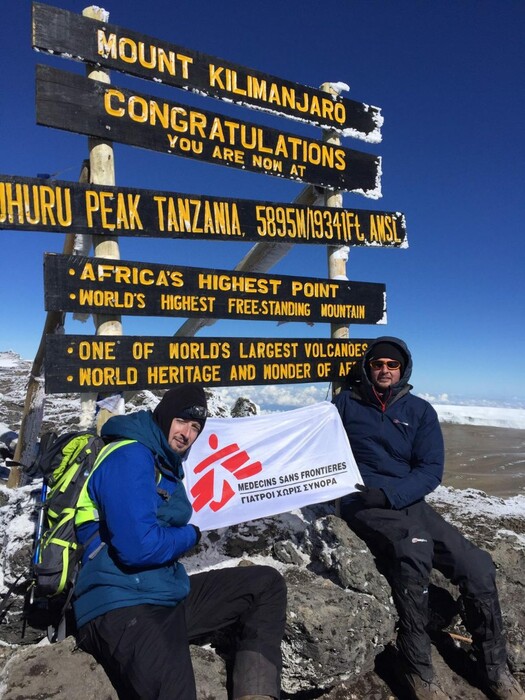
[(80, 363), (38, 204), (94, 285), (73, 36), (74, 103)]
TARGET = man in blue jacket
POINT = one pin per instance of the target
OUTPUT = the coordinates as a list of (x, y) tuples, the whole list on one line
[(135, 606), (398, 445)]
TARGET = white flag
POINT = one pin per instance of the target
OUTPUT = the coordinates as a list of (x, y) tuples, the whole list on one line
[(246, 468)]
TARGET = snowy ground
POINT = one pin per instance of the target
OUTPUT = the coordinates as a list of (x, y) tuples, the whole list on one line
[(482, 415)]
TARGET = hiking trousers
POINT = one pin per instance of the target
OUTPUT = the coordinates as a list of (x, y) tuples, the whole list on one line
[(144, 649), (408, 544)]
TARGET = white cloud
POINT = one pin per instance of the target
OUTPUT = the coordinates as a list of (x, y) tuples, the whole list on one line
[(431, 398), (278, 397)]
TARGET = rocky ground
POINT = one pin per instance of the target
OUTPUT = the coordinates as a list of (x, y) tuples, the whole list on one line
[(340, 635), (339, 641)]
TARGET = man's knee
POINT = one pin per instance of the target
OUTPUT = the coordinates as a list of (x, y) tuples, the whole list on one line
[(274, 578), (477, 574), (267, 611), (412, 555), (268, 581)]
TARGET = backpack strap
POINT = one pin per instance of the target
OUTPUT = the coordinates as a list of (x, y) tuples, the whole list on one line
[(86, 510), (5, 602)]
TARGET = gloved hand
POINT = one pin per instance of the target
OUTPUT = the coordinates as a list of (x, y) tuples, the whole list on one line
[(372, 498), (198, 533)]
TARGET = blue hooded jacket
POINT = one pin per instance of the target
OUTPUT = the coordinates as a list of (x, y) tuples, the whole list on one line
[(143, 524), (398, 447)]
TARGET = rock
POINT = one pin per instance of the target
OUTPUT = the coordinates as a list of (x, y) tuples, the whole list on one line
[(63, 672), (332, 634), (210, 674), (333, 547), (244, 407), (57, 671)]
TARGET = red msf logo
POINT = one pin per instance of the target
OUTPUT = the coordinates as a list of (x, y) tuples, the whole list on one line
[(230, 458)]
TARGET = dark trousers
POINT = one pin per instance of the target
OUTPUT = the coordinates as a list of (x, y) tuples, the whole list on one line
[(408, 544), (145, 649)]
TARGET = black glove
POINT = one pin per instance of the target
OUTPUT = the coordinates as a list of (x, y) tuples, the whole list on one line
[(372, 498), (198, 534)]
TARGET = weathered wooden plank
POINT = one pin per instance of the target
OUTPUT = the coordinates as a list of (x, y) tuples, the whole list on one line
[(93, 285), (37, 204), (77, 363), (74, 103)]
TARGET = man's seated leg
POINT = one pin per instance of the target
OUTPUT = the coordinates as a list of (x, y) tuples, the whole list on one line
[(404, 551), (473, 571), (409, 579), (254, 599), (482, 615), (144, 651)]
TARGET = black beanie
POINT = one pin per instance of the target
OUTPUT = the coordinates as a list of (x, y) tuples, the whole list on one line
[(388, 350), (186, 401)]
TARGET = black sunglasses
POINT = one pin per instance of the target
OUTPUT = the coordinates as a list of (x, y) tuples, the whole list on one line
[(391, 364)]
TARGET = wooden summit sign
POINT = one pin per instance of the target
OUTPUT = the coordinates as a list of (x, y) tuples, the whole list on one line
[(37, 204), (74, 103), (73, 36), (95, 285), (77, 363)]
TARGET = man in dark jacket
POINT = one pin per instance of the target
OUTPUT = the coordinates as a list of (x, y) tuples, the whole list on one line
[(398, 445), (135, 606)]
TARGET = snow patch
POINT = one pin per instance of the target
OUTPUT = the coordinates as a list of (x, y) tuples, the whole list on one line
[(497, 417)]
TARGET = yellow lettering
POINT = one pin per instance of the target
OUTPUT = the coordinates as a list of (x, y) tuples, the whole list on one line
[(151, 57), (96, 350), (287, 371), (88, 273), (242, 373)]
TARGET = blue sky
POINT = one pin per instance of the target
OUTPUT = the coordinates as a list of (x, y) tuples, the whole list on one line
[(448, 77)]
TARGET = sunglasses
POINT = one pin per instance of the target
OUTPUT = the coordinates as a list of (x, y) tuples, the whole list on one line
[(390, 364), (196, 412)]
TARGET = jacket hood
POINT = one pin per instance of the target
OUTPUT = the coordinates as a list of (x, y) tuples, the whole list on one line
[(365, 386), (140, 426)]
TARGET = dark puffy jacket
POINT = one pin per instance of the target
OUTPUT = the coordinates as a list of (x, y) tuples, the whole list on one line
[(144, 531), (399, 447)]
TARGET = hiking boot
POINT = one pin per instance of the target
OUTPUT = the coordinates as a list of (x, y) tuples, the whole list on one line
[(506, 687), (423, 690)]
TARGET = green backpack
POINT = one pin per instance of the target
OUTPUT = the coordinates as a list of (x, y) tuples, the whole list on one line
[(65, 462)]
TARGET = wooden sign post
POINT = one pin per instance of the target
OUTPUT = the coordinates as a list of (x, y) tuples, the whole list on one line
[(102, 172)]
